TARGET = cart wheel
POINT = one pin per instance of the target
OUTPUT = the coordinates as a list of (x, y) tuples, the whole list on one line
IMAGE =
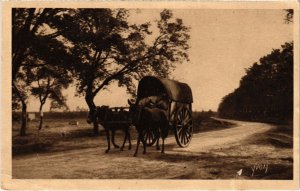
[(149, 137), (183, 127)]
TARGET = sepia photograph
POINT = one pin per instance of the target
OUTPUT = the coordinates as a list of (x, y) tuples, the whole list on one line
[(152, 93)]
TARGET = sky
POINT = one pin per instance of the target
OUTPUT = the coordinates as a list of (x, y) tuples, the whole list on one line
[(223, 44)]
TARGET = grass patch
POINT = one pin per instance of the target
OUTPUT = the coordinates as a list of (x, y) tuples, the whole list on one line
[(55, 135), (59, 135), (202, 122), (281, 137)]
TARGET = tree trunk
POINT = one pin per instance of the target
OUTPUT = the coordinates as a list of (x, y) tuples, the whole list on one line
[(41, 117), (41, 122), (24, 119), (90, 102), (24, 111)]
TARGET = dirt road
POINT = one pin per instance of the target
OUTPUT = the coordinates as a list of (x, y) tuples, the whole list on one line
[(216, 154)]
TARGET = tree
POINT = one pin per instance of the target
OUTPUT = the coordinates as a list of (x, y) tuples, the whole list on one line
[(59, 105), (29, 28), (50, 81), (289, 15), (19, 95), (33, 30), (110, 49), (99, 45), (266, 91)]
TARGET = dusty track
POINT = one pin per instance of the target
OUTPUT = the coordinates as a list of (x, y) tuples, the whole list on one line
[(227, 137), (216, 154)]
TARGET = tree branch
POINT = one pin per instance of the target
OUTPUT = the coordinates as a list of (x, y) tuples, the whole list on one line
[(18, 93), (53, 35), (20, 43), (29, 20), (157, 39), (95, 58), (39, 20), (121, 72), (35, 65), (40, 96), (108, 79), (47, 91)]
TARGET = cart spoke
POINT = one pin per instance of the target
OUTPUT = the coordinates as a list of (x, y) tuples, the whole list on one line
[(182, 138), (185, 115), (182, 114), (179, 129), (179, 125), (189, 128), (180, 133), (149, 136), (187, 136), (179, 116), (189, 120), (189, 132), (183, 126)]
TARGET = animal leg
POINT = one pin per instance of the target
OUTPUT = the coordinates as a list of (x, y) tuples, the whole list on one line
[(157, 144), (108, 140), (129, 139), (137, 145), (163, 145), (113, 139), (125, 138), (145, 145)]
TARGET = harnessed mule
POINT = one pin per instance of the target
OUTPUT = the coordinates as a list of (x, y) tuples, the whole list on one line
[(109, 120), (147, 117)]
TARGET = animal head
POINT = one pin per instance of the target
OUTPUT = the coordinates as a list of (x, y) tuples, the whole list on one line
[(145, 103), (134, 110), (102, 112)]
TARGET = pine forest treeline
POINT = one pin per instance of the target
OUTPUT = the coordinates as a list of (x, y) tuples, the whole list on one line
[(266, 91)]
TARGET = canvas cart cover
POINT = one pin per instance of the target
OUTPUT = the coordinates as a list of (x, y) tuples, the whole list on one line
[(153, 86)]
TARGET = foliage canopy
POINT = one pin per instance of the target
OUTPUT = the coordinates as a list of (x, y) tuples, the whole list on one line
[(266, 91)]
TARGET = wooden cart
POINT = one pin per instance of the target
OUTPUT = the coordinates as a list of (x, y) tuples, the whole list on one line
[(178, 97)]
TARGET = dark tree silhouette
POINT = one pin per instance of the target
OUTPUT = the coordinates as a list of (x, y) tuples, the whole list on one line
[(108, 48), (289, 15), (19, 95), (34, 45), (266, 91), (99, 46), (48, 83)]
